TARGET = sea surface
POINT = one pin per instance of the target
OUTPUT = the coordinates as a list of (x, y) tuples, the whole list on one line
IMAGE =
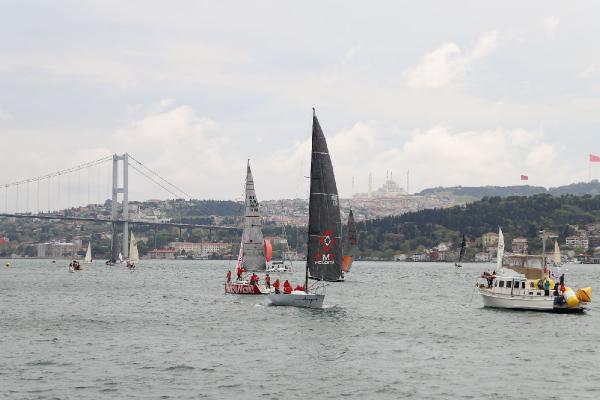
[(391, 331)]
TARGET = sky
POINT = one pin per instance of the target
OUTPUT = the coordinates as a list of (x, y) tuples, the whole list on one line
[(459, 93)]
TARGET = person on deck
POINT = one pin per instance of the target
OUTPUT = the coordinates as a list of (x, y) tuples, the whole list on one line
[(268, 281), (254, 279), (287, 288), (229, 276), (276, 286), (240, 271), (299, 287), (547, 287)]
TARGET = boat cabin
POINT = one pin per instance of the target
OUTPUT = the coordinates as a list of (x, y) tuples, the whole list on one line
[(516, 286)]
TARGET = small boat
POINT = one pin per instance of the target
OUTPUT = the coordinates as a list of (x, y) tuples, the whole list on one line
[(134, 255), (283, 265), (523, 282), (74, 266), (324, 250), (88, 254), (461, 255)]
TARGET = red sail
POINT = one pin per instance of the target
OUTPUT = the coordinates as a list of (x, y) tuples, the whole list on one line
[(268, 250)]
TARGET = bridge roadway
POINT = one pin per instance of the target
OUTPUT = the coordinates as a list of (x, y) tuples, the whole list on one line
[(131, 221)]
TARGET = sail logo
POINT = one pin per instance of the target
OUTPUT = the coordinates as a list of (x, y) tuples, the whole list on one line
[(327, 241)]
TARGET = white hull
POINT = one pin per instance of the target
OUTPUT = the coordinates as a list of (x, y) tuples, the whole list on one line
[(297, 299), (535, 303), (496, 300)]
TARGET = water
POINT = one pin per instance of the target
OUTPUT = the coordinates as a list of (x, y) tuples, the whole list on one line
[(392, 330)]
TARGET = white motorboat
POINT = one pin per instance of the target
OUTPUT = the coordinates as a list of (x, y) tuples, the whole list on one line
[(523, 282)]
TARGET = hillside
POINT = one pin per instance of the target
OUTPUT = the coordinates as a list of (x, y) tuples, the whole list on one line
[(518, 216), (479, 192)]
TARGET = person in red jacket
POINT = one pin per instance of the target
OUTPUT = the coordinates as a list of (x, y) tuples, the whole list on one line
[(276, 286), (229, 276), (268, 281), (299, 287), (287, 288)]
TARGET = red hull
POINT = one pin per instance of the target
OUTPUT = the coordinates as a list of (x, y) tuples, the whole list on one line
[(242, 288)]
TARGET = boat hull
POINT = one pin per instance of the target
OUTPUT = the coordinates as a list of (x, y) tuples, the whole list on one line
[(297, 299), (527, 303), (245, 288)]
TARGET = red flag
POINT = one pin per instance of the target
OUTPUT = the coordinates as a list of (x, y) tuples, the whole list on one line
[(594, 158), (524, 178)]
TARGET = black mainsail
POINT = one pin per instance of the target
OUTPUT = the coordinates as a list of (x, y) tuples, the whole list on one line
[(350, 243), (324, 258), (463, 248)]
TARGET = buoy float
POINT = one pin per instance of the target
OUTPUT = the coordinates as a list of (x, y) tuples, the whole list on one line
[(584, 294), (570, 298)]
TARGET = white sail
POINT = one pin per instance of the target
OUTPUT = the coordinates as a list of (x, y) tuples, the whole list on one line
[(88, 253), (500, 249), (253, 247), (556, 253), (134, 256)]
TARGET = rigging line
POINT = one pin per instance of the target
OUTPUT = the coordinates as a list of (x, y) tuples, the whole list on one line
[(160, 177), (150, 178), (61, 172)]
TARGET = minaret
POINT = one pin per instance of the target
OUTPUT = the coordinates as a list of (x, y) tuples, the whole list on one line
[(352, 186), (408, 181), (370, 185)]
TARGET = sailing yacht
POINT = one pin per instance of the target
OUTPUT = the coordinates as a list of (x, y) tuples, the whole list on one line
[(88, 254), (134, 255), (252, 255), (463, 249), (523, 282), (324, 250), (350, 244)]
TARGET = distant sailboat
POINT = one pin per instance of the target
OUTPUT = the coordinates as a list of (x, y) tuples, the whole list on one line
[(500, 254), (324, 250), (463, 249), (88, 254), (556, 257), (350, 244), (134, 255)]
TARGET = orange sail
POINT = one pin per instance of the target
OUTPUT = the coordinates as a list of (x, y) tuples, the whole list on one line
[(346, 263), (350, 243), (268, 250)]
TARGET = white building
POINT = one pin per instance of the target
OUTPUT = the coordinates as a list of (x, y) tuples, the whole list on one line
[(577, 242)]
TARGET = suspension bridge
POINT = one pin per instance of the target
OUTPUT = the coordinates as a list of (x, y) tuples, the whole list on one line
[(60, 195)]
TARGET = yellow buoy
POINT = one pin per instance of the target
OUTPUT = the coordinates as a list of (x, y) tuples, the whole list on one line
[(570, 298), (584, 294)]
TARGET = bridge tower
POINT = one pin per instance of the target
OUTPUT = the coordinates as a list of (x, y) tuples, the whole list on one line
[(124, 189)]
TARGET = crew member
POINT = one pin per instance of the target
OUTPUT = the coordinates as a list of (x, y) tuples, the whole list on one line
[(229, 276), (268, 281), (276, 286), (299, 287), (287, 288)]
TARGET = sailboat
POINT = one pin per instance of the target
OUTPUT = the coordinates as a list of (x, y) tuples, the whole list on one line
[(324, 250), (463, 249), (556, 258), (134, 255), (350, 244), (252, 255), (88, 254)]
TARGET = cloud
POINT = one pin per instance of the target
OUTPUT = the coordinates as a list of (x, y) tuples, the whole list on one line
[(4, 115), (188, 150), (550, 25), (449, 64)]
